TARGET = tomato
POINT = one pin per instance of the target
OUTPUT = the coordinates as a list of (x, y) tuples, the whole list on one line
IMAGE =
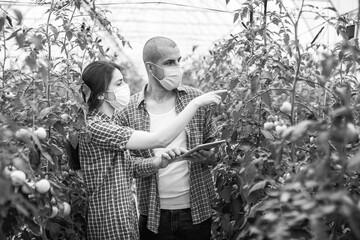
[(42, 186), (18, 177), (285, 107), (268, 125), (67, 209), (54, 211), (41, 133)]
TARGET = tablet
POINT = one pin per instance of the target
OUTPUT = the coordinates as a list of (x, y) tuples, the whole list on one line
[(205, 146)]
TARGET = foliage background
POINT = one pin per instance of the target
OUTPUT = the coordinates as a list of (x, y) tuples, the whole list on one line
[(299, 183)]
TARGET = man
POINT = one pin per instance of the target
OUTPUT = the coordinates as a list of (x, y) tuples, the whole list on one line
[(176, 202)]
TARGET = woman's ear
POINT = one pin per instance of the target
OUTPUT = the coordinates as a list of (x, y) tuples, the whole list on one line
[(101, 97)]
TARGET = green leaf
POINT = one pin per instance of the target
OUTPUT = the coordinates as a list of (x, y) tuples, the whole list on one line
[(54, 229), (47, 156), (266, 98), (233, 83), (236, 205), (255, 84), (234, 136), (286, 39), (354, 162), (31, 62), (300, 234), (34, 227), (56, 150), (74, 139), (2, 23), (331, 8), (5, 191), (244, 12), (225, 133), (236, 17), (293, 133), (13, 34), (20, 39), (258, 186), (59, 128), (45, 112), (225, 193), (34, 157), (77, 4), (236, 114), (19, 16), (54, 30), (69, 35), (251, 108), (225, 222), (267, 134)]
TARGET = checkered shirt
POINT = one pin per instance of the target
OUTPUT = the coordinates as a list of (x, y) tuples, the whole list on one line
[(108, 175), (201, 129)]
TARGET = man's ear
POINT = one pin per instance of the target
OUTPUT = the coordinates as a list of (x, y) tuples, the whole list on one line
[(149, 66)]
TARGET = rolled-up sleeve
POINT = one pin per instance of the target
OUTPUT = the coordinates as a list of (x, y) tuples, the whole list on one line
[(143, 167), (109, 136)]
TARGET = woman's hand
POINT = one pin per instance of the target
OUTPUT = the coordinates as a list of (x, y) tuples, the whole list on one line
[(169, 154), (208, 98)]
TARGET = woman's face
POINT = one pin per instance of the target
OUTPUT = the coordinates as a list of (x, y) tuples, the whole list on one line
[(116, 81)]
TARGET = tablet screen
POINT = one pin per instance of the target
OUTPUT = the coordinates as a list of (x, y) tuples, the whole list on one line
[(205, 146)]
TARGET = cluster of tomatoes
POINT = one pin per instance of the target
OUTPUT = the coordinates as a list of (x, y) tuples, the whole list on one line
[(21, 178), (32, 188), (25, 134), (274, 122)]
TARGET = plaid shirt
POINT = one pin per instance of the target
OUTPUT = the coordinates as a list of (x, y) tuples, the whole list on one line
[(108, 175), (201, 129)]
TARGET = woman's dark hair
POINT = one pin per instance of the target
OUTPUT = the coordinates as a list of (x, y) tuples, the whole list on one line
[(97, 76)]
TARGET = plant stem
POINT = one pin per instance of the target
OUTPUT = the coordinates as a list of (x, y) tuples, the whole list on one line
[(265, 91), (264, 21), (48, 67), (5, 57), (49, 53), (67, 58), (293, 91), (357, 26)]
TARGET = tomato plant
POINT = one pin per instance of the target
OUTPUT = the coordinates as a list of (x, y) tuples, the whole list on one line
[(42, 196), (290, 168)]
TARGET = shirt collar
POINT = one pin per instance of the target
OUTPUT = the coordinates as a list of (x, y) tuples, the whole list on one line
[(141, 100), (97, 114)]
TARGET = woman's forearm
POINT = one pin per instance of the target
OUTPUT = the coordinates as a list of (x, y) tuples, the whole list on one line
[(146, 140)]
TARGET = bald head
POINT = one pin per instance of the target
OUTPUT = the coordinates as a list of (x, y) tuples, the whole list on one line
[(155, 47)]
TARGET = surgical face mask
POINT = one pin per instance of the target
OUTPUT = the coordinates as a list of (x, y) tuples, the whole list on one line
[(122, 97), (172, 77)]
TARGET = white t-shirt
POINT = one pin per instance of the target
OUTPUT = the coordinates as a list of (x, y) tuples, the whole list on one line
[(174, 187)]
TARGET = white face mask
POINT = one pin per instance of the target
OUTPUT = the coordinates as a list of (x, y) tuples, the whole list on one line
[(122, 97), (172, 77)]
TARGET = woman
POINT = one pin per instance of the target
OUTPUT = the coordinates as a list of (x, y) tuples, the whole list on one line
[(107, 171)]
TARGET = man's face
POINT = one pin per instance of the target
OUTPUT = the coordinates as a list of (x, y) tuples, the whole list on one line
[(170, 57)]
